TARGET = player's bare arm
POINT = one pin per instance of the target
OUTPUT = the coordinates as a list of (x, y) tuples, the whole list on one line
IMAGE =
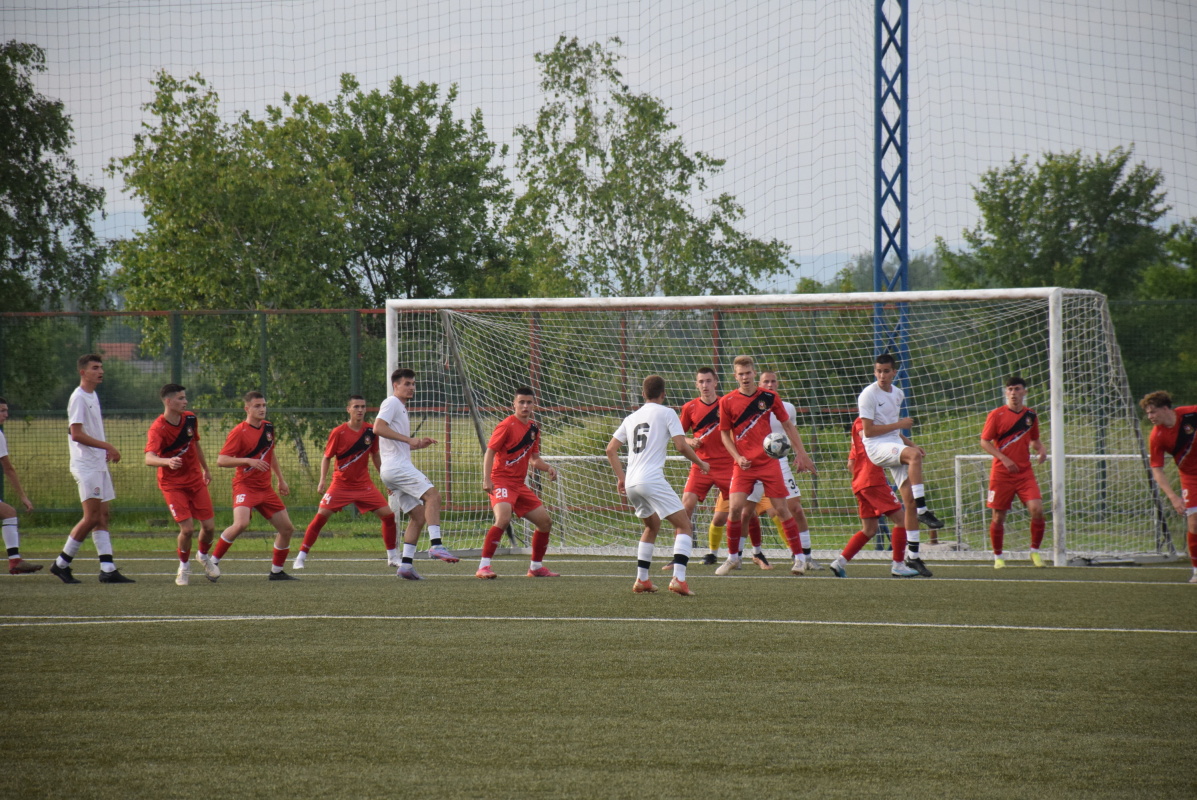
[(1040, 450), (324, 465), (871, 429), (990, 447), (685, 449), (10, 474), (77, 435), (488, 463), (612, 452), (232, 462), (203, 464), (154, 460), (543, 466), (384, 430), (1161, 480), (284, 488), (802, 461), (729, 442)]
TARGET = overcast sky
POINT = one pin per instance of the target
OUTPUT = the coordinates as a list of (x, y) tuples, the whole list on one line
[(781, 90)]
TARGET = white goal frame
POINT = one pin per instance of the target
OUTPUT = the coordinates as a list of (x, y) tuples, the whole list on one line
[(1054, 296)]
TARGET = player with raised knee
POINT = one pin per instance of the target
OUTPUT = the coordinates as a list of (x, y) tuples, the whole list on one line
[(172, 444), (880, 410), (647, 431), (8, 514), (744, 423), (409, 487), (513, 447), (700, 418), (351, 446), (1010, 431), (249, 450), (874, 499), (1174, 431)]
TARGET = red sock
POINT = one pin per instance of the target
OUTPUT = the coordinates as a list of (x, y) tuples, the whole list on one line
[(754, 531), (898, 537), (222, 547), (204, 547), (1038, 526), (491, 543), (390, 533), (184, 555), (280, 557), (793, 540), (540, 543), (313, 532), (733, 536), (858, 541), (1192, 540), (997, 534)]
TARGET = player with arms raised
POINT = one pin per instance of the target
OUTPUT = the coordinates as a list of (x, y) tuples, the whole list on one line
[(744, 423), (647, 431), (700, 417), (351, 446), (1010, 431), (513, 447), (880, 409), (1175, 431), (172, 444)]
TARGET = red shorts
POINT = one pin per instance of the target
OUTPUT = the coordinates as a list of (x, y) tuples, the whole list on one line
[(769, 474), (876, 501), (367, 498), (189, 502), (522, 499), (267, 502), (1004, 488), (701, 485)]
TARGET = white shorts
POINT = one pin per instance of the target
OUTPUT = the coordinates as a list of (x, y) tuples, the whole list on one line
[(95, 484), (657, 497), (407, 485), (887, 452)]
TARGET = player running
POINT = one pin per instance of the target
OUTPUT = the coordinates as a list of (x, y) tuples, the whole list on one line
[(647, 431), (880, 408), (8, 514), (249, 449), (513, 447), (743, 424), (172, 444), (1175, 431), (874, 499), (352, 446), (409, 488), (700, 417), (1010, 431)]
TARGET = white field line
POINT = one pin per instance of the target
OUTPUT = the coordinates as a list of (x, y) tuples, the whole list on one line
[(21, 621)]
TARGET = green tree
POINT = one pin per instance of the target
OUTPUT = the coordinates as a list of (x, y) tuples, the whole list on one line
[(924, 273), (1069, 220), (609, 185), (48, 251)]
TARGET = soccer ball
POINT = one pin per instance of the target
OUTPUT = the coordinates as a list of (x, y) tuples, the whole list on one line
[(777, 445)]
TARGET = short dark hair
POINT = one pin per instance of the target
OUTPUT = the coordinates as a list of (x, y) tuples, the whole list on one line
[(886, 358), (252, 395), (353, 397), (1016, 380), (526, 391), (707, 371), (654, 386), (1157, 399), (169, 389), (3, 402), (87, 358), (402, 372)]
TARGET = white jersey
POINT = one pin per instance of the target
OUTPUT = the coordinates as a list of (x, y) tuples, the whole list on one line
[(3, 445), (884, 408), (84, 408), (647, 432), (394, 414), (775, 426)]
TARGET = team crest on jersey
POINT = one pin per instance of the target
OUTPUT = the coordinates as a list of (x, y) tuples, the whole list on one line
[(367, 438), (761, 405), (270, 436), (1188, 429)]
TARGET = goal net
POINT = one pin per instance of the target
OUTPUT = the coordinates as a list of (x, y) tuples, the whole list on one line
[(586, 359)]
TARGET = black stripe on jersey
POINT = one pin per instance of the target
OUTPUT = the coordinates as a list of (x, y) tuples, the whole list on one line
[(265, 441), (1021, 426), (708, 423), (1185, 436), (755, 408), (524, 446), (359, 448), (184, 438)]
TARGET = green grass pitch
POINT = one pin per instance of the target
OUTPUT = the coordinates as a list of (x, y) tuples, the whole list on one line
[(352, 683)]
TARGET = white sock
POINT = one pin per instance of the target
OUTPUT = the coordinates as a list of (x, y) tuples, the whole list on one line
[(1034, 549), (644, 557), (483, 562), (301, 557), (409, 550), (392, 554), (434, 532), (70, 549), (535, 565), (804, 536), (12, 541), (683, 544), (103, 543)]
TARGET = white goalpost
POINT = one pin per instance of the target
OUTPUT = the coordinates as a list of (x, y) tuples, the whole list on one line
[(586, 357)]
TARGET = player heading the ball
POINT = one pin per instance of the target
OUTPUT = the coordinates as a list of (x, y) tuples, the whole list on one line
[(647, 431), (1010, 431), (351, 446), (409, 488), (513, 447), (1175, 431), (880, 411)]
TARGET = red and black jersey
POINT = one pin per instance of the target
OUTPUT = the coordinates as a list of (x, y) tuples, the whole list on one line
[(703, 421), (1012, 432), (514, 444), (246, 441), (170, 441), (1178, 441), (351, 453), (747, 417)]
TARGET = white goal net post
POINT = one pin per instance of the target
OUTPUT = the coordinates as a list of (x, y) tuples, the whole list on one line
[(586, 358)]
